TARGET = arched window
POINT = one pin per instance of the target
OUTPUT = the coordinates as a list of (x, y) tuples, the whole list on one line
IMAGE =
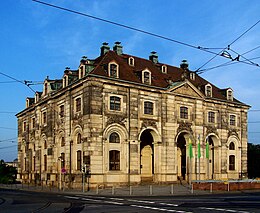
[(114, 138), (78, 138), (231, 146), (114, 160), (231, 162), (115, 103), (208, 90), (164, 69), (45, 144), (131, 61), (230, 94), (146, 77), (184, 112), (148, 108)]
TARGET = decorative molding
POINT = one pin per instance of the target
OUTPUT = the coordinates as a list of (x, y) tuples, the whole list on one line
[(116, 119), (232, 132), (183, 126), (211, 129), (146, 123)]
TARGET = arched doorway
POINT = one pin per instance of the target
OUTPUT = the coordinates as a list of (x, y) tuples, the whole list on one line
[(211, 162), (146, 156), (182, 156)]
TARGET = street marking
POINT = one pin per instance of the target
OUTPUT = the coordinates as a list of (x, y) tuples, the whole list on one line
[(169, 204), (90, 199), (114, 198), (160, 209), (141, 201), (223, 210), (115, 203)]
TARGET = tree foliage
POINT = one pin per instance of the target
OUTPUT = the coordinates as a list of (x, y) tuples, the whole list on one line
[(7, 173), (253, 160)]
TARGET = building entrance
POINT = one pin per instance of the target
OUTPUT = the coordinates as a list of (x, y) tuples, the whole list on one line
[(181, 157)]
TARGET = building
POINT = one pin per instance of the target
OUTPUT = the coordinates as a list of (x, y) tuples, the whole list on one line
[(126, 120)]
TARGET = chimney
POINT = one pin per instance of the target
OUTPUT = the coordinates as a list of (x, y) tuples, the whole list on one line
[(104, 48), (184, 64), (153, 57), (118, 48)]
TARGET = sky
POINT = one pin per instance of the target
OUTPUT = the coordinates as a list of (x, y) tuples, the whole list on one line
[(37, 41)]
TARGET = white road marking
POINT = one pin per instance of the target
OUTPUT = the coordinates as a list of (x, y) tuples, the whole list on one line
[(160, 209), (114, 198), (90, 199), (169, 204), (115, 203), (77, 198), (223, 210), (140, 201)]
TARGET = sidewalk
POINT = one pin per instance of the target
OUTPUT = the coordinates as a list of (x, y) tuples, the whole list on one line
[(137, 190)]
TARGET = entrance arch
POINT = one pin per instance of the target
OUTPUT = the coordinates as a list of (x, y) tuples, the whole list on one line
[(146, 155), (214, 157), (182, 163)]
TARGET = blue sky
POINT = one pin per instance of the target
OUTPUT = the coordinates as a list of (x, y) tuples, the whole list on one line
[(38, 41)]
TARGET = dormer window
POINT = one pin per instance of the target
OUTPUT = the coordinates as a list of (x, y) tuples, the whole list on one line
[(192, 76), (230, 95), (113, 70), (81, 71), (164, 69), (146, 77), (131, 61), (65, 81), (208, 90)]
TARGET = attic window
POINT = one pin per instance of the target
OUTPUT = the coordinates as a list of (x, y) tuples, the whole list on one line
[(208, 90), (192, 76), (146, 77), (164, 69), (81, 71), (113, 70), (230, 95), (131, 61)]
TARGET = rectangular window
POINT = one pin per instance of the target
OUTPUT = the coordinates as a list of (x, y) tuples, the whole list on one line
[(45, 162), (61, 111), (44, 117), (184, 112), (114, 160), (232, 162), (211, 117), (115, 103), (146, 77), (113, 70), (24, 126), (78, 160), (33, 123), (78, 104), (232, 120), (148, 108)]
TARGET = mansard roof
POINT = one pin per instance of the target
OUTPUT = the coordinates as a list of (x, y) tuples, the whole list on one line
[(159, 79)]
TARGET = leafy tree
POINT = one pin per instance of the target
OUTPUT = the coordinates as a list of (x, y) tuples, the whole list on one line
[(253, 160), (7, 173)]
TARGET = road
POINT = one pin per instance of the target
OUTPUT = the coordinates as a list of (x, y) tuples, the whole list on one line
[(16, 201)]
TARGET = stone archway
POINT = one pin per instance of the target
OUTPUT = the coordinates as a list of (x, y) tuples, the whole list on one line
[(146, 155), (213, 164), (182, 162)]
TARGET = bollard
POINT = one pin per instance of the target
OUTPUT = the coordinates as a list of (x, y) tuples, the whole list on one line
[(172, 189), (130, 190), (192, 191), (151, 189), (228, 186), (97, 190), (113, 190), (211, 187)]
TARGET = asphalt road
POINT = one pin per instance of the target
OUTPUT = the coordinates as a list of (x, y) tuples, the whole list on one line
[(16, 201)]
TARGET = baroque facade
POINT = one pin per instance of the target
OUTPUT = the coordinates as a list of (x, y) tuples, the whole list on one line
[(126, 120)]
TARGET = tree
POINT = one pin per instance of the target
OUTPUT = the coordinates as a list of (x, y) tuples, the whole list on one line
[(253, 160), (7, 173)]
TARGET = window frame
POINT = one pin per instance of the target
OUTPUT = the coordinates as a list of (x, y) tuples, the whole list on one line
[(146, 77), (62, 111), (62, 141), (114, 137), (211, 117), (114, 160), (44, 117), (208, 90), (232, 120), (113, 70), (148, 108), (231, 146), (131, 61), (79, 160), (79, 138), (184, 112), (115, 103), (229, 94), (232, 162), (78, 105)]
